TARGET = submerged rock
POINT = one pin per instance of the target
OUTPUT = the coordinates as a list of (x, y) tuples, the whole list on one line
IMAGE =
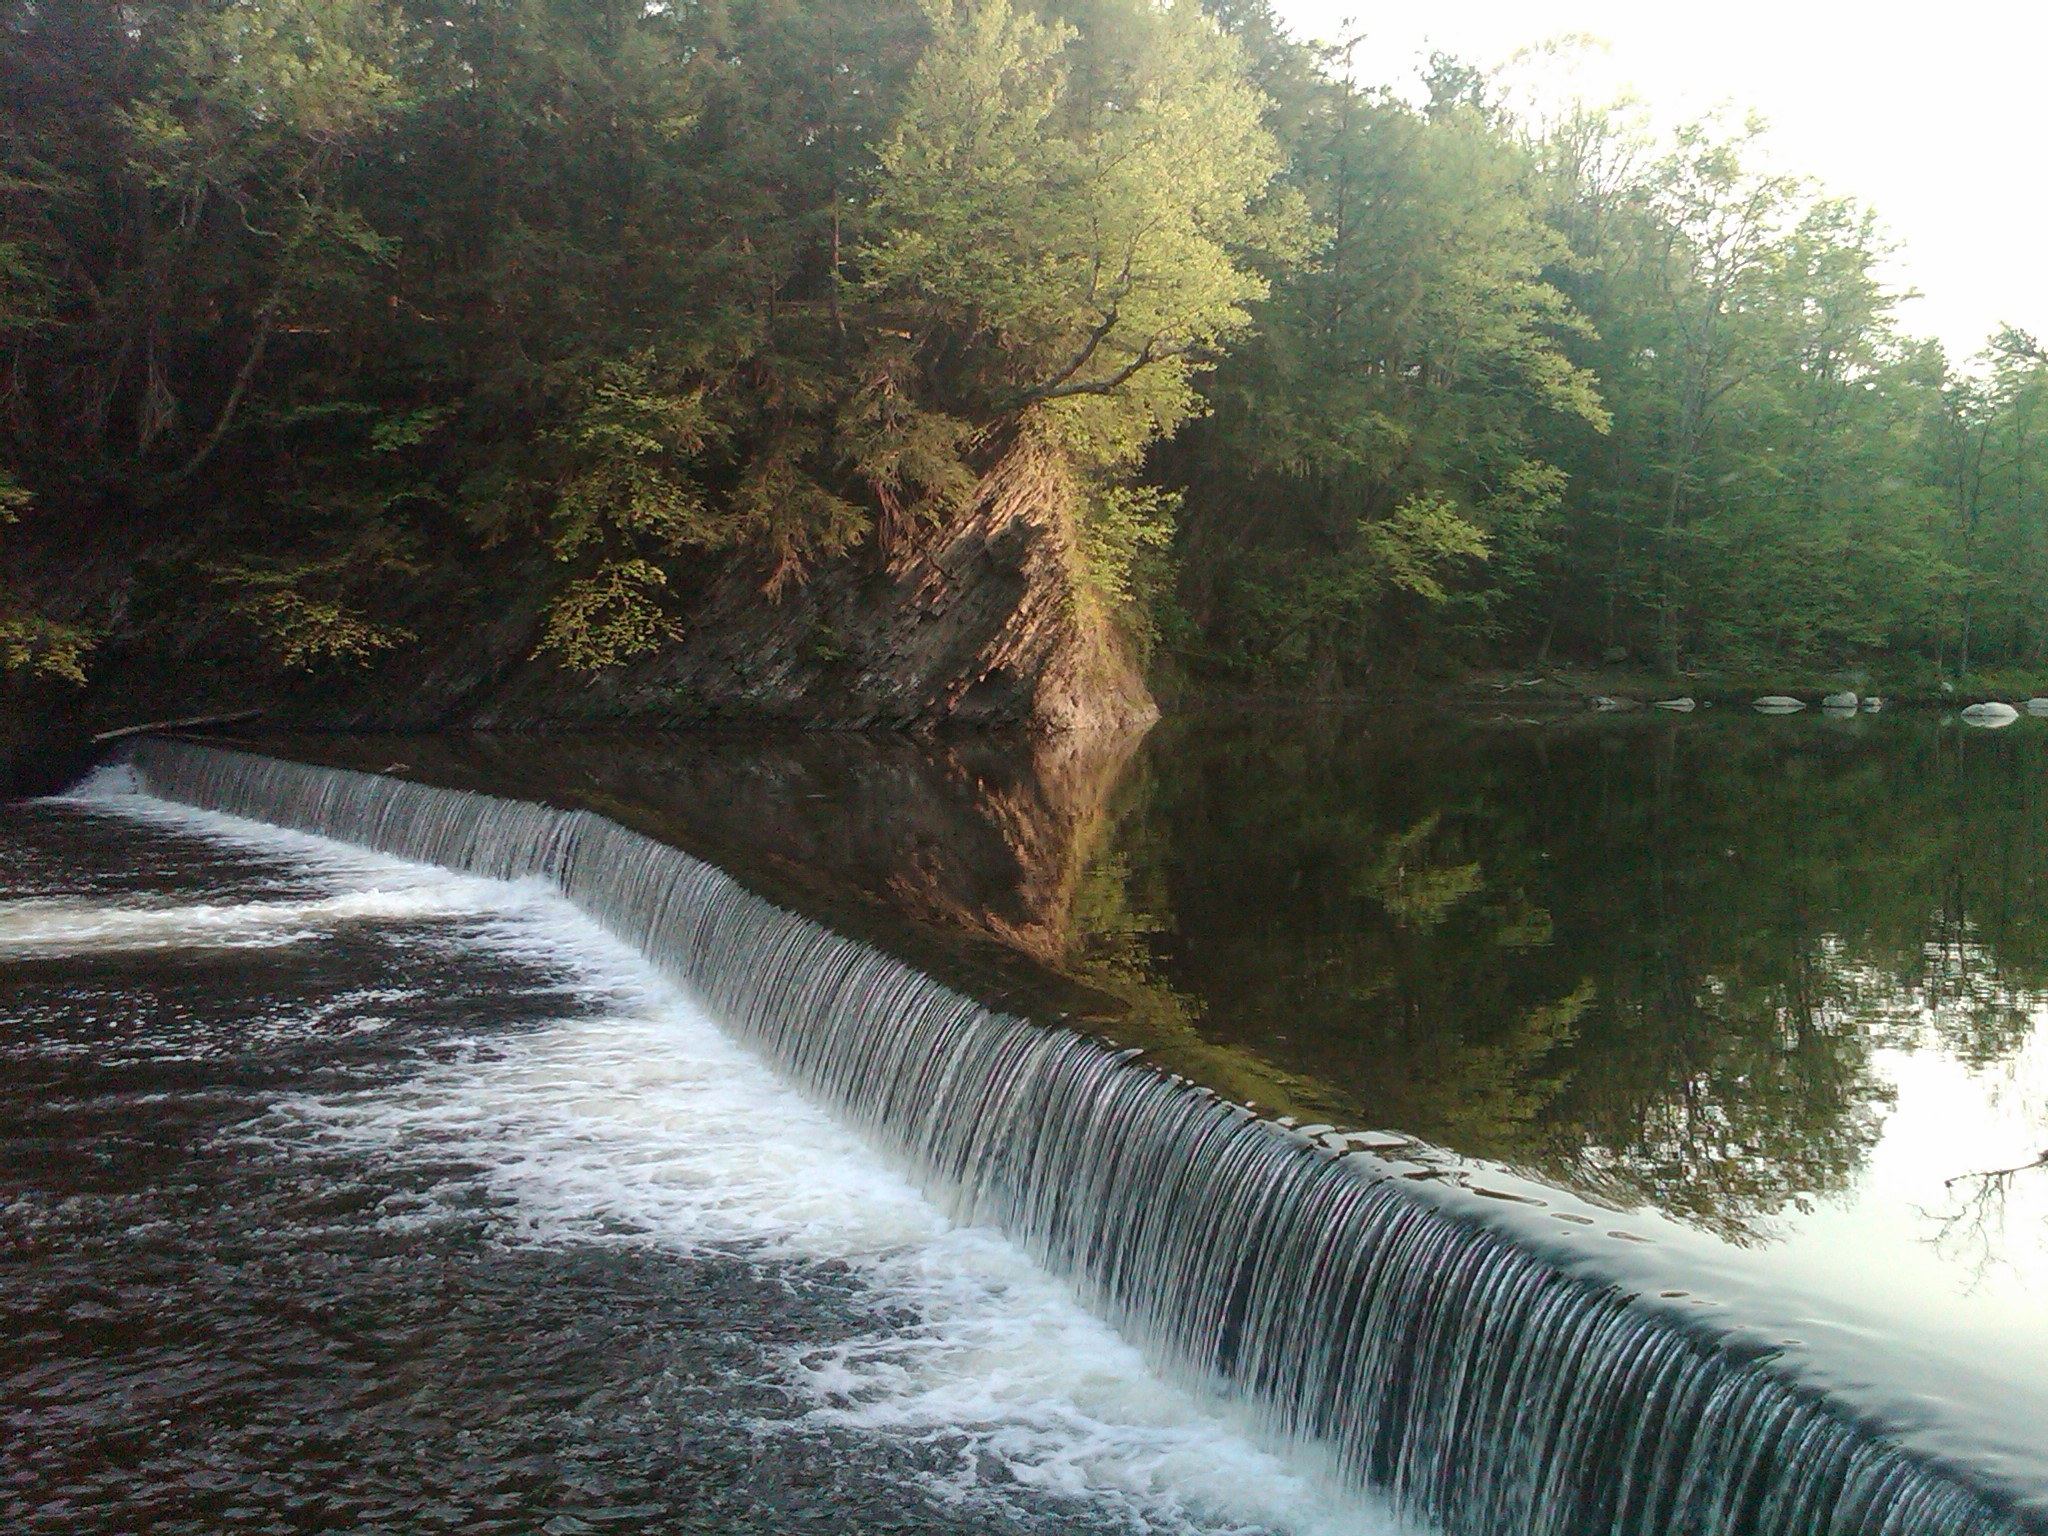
[(1779, 704), (1991, 715)]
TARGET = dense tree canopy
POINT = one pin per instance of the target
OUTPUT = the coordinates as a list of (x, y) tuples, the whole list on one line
[(323, 291), (302, 299), (1552, 385)]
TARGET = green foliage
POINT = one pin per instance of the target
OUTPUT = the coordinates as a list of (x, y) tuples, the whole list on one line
[(1123, 560), (609, 617), (1410, 549), (40, 647), (1065, 210), (30, 643), (1349, 384), (630, 282), (1120, 526), (301, 611), (1383, 427), (635, 445), (1662, 385), (408, 430), (14, 498)]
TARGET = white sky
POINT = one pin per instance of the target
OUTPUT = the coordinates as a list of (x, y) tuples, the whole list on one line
[(1935, 114)]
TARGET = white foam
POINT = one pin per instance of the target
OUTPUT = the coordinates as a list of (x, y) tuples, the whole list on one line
[(640, 1123), (351, 884), (38, 928)]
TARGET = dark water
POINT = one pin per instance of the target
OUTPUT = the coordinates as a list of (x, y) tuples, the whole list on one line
[(1685, 963), (1613, 956), (330, 1200), (1383, 1312), (1705, 967)]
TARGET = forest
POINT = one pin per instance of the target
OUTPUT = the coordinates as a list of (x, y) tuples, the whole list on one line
[(306, 301)]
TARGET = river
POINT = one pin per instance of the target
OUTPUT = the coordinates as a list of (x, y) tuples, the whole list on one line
[(347, 1189)]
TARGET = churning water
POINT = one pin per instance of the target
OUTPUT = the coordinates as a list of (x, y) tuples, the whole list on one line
[(350, 1193)]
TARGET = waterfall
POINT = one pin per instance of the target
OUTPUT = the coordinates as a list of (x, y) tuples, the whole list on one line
[(1434, 1357)]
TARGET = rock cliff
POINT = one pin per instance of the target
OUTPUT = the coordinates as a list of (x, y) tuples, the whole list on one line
[(978, 624)]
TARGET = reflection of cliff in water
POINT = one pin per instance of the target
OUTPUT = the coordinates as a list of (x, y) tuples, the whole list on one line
[(969, 852), (987, 860)]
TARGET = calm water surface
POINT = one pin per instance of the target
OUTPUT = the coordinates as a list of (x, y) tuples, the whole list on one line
[(341, 1194)]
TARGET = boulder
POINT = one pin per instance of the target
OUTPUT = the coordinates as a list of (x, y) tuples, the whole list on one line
[(1779, 704), (1991, 715)]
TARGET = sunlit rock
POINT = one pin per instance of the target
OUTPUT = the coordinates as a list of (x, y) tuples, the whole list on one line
[(1844, 700), (2037, 706), (1684, 706), (1779, 704)]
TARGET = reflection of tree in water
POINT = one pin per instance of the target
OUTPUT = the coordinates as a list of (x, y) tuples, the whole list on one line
[(1961, 1002), (1656, 965), (1970, 1231), (1739, 1100)]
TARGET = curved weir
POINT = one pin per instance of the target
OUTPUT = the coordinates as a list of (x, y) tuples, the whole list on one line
[(1433, 1355)]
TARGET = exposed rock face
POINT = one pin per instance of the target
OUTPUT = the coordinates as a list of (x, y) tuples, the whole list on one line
[(978, 624)]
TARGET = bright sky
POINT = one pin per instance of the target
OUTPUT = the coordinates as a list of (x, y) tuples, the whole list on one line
[(1932, 112)]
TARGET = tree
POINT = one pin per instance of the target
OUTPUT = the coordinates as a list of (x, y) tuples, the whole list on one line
[(1388, 398)]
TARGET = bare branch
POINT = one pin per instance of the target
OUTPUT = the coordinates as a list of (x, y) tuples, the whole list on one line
[(1145, 359), (1079, 361)]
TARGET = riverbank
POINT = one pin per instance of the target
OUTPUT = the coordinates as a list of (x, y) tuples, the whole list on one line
[(1556, 689), (1916, 686)]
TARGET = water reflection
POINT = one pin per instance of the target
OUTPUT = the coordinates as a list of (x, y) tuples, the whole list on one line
[(1751, 1005), (1684, 964)]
